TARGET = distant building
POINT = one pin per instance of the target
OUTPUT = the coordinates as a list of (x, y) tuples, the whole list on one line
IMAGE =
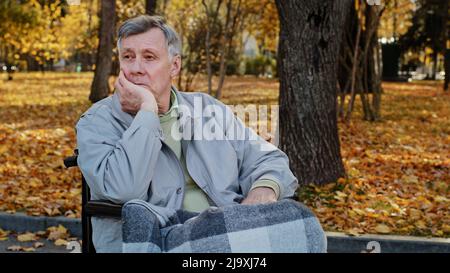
[(250, 46)]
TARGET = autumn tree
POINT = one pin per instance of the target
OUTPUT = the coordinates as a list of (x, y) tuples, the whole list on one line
[(150, 7), (310, 38), (447, 67), (100, 85), (446, 41), (36, 34), (225, 22), (227, 27), (82, 24), (429, 30), (209, 46), (15, 18), (360, 62)]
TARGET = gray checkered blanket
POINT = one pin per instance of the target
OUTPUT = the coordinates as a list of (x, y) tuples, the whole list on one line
[(283, 226)]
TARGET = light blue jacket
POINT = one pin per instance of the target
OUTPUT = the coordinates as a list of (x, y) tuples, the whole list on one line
[(124, 157)]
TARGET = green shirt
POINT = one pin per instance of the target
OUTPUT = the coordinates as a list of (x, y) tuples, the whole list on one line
[(195, 199)]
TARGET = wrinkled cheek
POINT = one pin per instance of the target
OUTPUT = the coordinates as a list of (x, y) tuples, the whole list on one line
[(126, 70)]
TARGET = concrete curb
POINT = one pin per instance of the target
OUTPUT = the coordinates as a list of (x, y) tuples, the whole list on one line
[(21, 222), (337, 242)]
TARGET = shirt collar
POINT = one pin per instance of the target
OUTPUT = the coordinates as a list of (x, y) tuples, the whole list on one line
[(173, 110)]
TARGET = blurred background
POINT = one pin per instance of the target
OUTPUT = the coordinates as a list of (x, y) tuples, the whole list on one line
[(64, 35)]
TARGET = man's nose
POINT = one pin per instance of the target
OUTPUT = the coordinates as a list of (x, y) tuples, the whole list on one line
[(137, 67)]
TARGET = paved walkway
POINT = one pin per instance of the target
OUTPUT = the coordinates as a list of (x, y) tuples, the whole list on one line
[(48, 247)]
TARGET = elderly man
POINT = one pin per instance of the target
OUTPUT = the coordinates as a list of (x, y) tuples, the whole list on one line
[(145, 143)]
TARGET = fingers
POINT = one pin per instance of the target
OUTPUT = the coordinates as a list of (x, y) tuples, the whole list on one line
[(118, 85), (258, 199), (125, 82), (121, 85)]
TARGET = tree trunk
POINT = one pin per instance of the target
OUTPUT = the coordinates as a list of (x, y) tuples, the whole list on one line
[(223, 50), (373, 59), (446, 45), (355, 63), (100, 85), (346, 60), (360, 61), (447, 69), (310, 37), (434, 67), (371, 83), (207, 47), (150, 7), (376, 99)]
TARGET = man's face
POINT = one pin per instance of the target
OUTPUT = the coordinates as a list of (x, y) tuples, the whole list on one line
[(145, 61)]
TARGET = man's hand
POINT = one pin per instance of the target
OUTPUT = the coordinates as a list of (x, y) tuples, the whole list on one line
[(135, 97), (260, 195)]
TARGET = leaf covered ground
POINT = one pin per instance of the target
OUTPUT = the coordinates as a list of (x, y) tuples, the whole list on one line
[(54, 239), (398, 169)]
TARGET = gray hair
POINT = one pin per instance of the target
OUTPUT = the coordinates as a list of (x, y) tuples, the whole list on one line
[(144, 23)]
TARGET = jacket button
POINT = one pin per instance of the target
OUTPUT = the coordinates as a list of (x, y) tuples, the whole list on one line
[(178, 190)]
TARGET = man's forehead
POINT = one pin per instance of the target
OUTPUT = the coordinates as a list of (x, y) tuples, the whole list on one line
[(152, 40)]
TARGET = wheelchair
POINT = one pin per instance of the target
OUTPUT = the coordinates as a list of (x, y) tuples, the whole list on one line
[(90, 208)]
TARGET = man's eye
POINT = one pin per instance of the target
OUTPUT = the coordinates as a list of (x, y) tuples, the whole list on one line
[(149, 57), (126, 57)]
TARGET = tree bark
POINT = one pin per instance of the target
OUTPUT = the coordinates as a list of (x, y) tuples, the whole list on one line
[(362, 67), (373, 61), (447, 69), (150, 7), (434, 67), (446, 45), (207, 47), (310, 37), (229, 33), (100, 86), (355, 65)]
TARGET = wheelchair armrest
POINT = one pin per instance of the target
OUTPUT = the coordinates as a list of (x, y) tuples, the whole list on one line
[(103, 208), (71, 161)]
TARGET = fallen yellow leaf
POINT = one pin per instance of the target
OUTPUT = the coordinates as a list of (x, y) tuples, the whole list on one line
[(440, 198), (381, 228), (27, 237), (61, 242), (359, 211), (14, 248), (421, 224), (29, 249), (354, 231), (4, 233), (38, 245), (59, 232)]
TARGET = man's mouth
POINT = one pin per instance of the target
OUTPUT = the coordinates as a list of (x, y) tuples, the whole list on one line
[(141, 84)]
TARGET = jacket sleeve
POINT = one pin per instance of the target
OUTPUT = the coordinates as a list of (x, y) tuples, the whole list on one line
[(258, 159), (118, 166)]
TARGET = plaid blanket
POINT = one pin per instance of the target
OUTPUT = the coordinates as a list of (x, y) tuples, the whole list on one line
[(283, 226)]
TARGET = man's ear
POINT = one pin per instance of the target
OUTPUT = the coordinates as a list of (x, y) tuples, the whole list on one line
[(176, 66)]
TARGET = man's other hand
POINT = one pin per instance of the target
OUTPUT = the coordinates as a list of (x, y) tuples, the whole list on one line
[(260, 195)]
